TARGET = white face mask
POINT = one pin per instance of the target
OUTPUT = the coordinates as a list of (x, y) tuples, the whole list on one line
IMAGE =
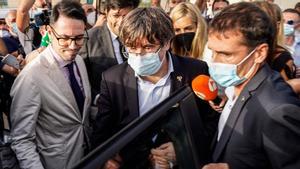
[(297, 35), (226, 75), (4, 33), (91, 18), (145, 65)]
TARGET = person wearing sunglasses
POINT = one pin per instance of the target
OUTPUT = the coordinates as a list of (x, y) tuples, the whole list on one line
[(291, 19), (51, 97)]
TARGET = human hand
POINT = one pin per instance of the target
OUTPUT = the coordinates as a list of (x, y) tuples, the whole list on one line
[(100, 21), (113, 163), (219, 107), (22, 61), (10, 70), (216, 166), (164, 155)]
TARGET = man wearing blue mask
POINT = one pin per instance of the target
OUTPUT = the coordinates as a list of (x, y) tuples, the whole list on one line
[(259, 125), (151, 74), (291, 31)]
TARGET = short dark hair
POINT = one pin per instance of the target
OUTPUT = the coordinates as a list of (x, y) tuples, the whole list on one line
[(213, 4), (291, 10), (119, 4), (248, 19), (152, 23), (70, 9), (297, 5)]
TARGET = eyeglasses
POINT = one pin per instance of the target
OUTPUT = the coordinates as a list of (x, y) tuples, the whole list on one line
[(126, 53), (65, 41)]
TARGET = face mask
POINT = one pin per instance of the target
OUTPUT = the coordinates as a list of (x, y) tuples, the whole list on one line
[(226, 74), (297, 35), (14, 28), (4, 33), (145, 65), (288, 29), (91, 18), (184, 40)]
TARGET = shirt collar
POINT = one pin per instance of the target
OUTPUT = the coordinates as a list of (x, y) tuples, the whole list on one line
[(113, 35), (229, 92)]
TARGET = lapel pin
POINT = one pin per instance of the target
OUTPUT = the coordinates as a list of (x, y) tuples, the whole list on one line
[(179, 78)]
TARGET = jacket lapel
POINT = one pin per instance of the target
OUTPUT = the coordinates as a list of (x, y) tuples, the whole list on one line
[(131, 92), (177, 76), (237, 108), (85, 84), (59, 79), (107, 42)]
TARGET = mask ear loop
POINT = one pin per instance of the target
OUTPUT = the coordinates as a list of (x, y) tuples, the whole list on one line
[(247, 75), (247, 57)]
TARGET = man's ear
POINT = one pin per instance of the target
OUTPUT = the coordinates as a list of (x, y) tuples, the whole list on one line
[(261, 53)]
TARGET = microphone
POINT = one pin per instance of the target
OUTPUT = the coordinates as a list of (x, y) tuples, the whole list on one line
[(205, 88)]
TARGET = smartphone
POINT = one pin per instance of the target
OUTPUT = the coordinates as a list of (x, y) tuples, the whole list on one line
[(11, 61)]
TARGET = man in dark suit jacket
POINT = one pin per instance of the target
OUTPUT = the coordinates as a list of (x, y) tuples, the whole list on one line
[(151, 74), (259, 125), (102, 50)]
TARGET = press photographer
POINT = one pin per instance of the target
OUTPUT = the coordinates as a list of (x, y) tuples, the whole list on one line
[(32, 16)]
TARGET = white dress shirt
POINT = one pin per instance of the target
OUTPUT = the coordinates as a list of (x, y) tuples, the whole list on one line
[(150, 94), (116, 46), (227, 109)]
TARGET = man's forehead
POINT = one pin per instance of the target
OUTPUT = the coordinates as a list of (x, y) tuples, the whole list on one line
[(141, 42), (224, 38)]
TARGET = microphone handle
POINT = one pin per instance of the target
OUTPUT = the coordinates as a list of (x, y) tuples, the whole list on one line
[(217, 100)]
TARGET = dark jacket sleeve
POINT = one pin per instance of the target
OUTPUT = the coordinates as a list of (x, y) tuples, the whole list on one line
[(104, 123)]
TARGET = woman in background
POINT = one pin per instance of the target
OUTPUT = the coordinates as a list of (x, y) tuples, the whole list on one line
[(190, 30), (280, 59)]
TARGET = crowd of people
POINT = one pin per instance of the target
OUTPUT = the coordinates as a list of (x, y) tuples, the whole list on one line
[(73, 75)]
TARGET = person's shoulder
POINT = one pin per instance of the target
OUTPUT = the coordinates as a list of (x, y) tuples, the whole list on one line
[(116, 71), (97, 29), (190, 61), (190, 64)]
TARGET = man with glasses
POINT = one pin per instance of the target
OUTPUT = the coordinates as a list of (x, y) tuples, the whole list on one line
[(291, 19), (259, 125), (51, 97), (151, 74), (103, 50)]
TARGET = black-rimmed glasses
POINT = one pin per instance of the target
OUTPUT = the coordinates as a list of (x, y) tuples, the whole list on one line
[(65, 41)]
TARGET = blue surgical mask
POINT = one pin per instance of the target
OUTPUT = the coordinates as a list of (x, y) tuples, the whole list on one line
[(145, 65), (226, 74), (14, 29), (297, 35), (288, 29)]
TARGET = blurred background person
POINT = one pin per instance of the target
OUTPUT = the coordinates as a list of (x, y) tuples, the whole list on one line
[(155, 3), (297, 6), (291, 18), (103, 49), (190, 30), (90, 13), (12, 41), (280, 59), (170, 4), (218, 5), (30, 34), (202, 5)]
